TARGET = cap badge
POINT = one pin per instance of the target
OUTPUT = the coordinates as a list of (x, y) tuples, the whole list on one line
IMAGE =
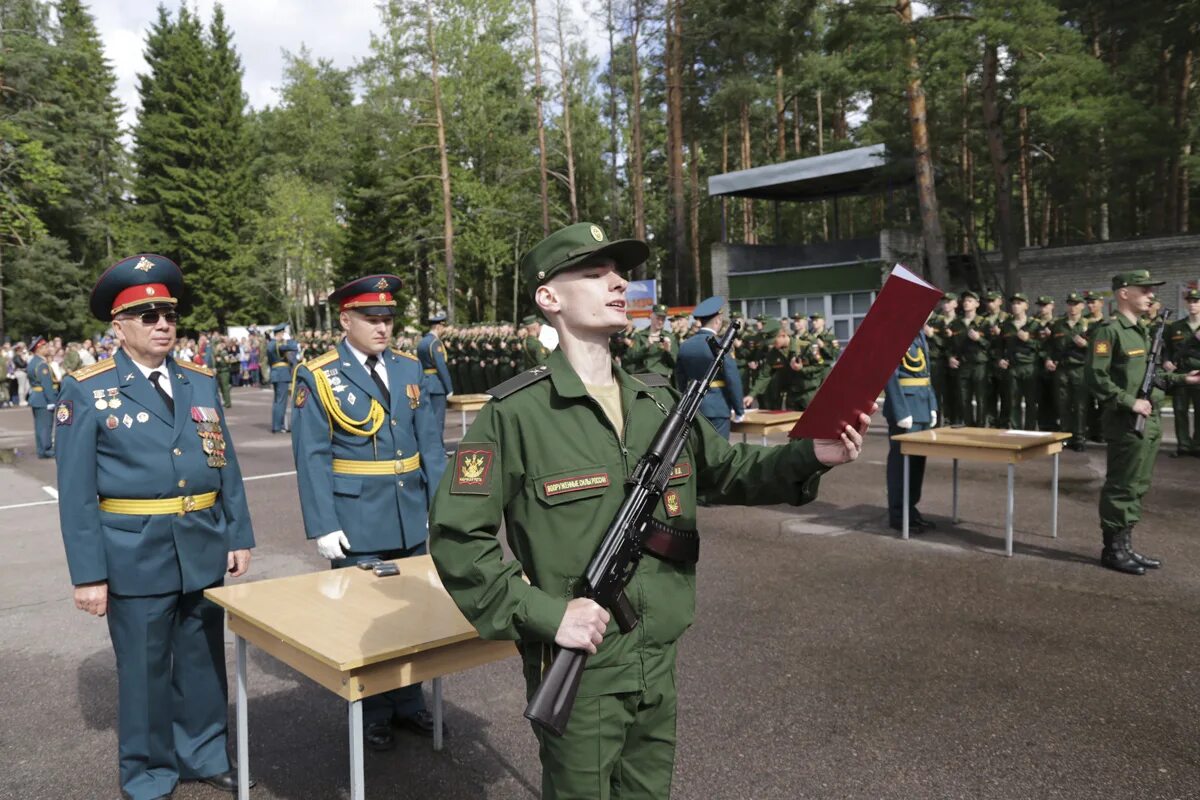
[(383, 297), (597, 234), (381, 284), (149, 290), (144, 264)]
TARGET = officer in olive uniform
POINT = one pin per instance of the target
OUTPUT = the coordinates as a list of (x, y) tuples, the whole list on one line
[(1116, 367), (1043, 327), (654, 348), (909, 404), (724, 395), (369, 456), (43, 394), (969, 361), (551, 453), (997, 396), (1182, 346), (1022, 350), (281, 356), (432, 355), (1067, 356), (153, 512), (938, 337), (1094, 316), (533, 352)]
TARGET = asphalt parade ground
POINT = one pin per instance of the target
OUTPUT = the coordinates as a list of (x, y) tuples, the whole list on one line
[(829, 658)]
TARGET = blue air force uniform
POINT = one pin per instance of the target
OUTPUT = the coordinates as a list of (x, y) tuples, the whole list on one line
[(432, 355), (281, 356), (151, 502), (695, 354), (909, 393), (367, 465), (43, 395)]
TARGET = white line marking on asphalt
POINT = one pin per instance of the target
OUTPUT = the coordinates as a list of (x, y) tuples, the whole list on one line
[(50, 490), (272, 475), (27, 505)]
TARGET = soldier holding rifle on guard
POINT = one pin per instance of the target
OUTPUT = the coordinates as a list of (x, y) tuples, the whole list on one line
[(549, 458)]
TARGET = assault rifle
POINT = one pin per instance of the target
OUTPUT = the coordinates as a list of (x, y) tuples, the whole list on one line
[(615, 561), (1152, 361)]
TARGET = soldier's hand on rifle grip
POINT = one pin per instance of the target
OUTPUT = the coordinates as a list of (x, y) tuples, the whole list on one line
[(582, 626), (1143, 407)]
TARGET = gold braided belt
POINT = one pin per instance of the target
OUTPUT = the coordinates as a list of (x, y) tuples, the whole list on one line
[(914, 381), (279, 364), (431, 371), (169, 505), (345, 466)]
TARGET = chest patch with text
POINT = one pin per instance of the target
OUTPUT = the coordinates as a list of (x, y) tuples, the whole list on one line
[(575, 483)]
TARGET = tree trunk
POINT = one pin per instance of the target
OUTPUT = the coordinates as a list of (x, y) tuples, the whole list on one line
[(821, 151), (931, 223), (443, 157), (1023, 115), (966, 163), (675, 166), (613, 185), (749, 234), (564, 70), (1179, 178), (1162, 170), (725, 169), (1001, 170), (796, 121), (635, 133), (780, 115), (541, 129), (694, 174)]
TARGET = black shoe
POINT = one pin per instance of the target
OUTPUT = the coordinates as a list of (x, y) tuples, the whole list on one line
[(1116, 557), (420, 723), (1179, 454), (1079, 446), (378, 736), (1149, 562), (914, 527), (915, 516), (225, 781)]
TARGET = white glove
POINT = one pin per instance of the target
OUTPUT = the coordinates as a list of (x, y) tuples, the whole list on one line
[(933, 419), (334, 545), (905, 423)]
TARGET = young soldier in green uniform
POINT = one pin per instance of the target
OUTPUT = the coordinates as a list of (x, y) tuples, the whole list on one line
[(1116, 367), (1183, 355), (1065, 361), (937, 339), (995, 317), (654, 348), (534, 352), (1043, 326), (969, 361), (1094, 317), (1022, 351), (548, 458)]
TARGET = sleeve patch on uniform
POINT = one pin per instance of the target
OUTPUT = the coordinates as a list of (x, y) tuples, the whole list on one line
[(1101, 348), (473, 468), (65, 413), (681, 470), (301, 396), (575, 483), (671, 502)]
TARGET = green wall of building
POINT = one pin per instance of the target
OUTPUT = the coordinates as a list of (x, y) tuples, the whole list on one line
[(864, 276)]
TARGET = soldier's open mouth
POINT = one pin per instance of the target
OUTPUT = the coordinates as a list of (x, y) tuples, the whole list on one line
[(618, 304)]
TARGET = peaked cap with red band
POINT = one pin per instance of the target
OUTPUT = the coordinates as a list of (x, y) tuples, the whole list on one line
[(142, 280), (370, 295)]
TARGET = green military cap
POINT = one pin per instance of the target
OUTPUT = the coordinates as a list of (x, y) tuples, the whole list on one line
[(995, 295), (949, 296), (1018, 297), (1074, 297), (660, 309), (1045, 300), (771, 327), (760, 317), (1088, 297), (735, 314), (969, 293), (797, 315), (581, 243), (817, 315), (1137, 277), (529, 320), (1194, 294)]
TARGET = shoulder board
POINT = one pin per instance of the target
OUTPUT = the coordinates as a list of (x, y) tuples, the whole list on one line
[(195, 368), (652, 379), (83, 373), (404, 354), (518, 382), (322, 360)]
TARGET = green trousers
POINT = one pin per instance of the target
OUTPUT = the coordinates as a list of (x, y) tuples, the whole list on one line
[(223, 383), (973, 382), (1023, 385), (1073, 400), (617, 746), (1047, 401), (1130, 465), (1186, 402)]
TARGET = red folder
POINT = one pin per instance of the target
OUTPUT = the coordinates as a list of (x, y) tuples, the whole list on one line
[(863, 369)]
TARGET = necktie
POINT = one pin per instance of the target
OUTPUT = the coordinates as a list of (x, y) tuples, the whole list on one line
[(383, 390), (154, 378)]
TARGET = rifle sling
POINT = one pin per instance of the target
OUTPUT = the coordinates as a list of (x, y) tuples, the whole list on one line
[(671, 544)]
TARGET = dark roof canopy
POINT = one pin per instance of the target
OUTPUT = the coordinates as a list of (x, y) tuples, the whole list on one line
[(843, 173)]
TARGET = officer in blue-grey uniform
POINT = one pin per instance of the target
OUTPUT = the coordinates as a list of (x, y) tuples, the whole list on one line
[(281, 355), (432, 354), (909, 404), (369, 456), (43, 394), (153, 512), (695, 354)]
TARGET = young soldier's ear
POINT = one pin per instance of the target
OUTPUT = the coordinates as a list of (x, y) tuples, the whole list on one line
[(343, 320), (547, 299)]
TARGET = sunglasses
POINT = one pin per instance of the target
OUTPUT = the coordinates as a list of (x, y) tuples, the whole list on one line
[(152, 317)]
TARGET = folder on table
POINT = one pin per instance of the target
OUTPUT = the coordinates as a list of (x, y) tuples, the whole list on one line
[(860, 373)]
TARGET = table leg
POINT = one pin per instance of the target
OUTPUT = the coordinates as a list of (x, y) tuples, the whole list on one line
[(243, 723), (764, 439), (463, 418), (438, 711), (743, 437), (1008, 515), (954, 493), (1054, 499), (357, 790), (904, 526)]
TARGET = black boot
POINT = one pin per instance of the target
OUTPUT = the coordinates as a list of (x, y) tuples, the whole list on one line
[(1115, 556), (1149, 562)]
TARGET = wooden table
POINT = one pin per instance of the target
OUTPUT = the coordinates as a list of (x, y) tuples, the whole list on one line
[(465, 403), (760, 423), (357, 635), (984, 444)]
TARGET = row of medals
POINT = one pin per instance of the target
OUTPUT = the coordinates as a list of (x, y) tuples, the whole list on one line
[(212, 440), (113, 400)]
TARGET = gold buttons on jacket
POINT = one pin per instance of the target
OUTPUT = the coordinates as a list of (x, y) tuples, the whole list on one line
[(177, 451), (182, 483)]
